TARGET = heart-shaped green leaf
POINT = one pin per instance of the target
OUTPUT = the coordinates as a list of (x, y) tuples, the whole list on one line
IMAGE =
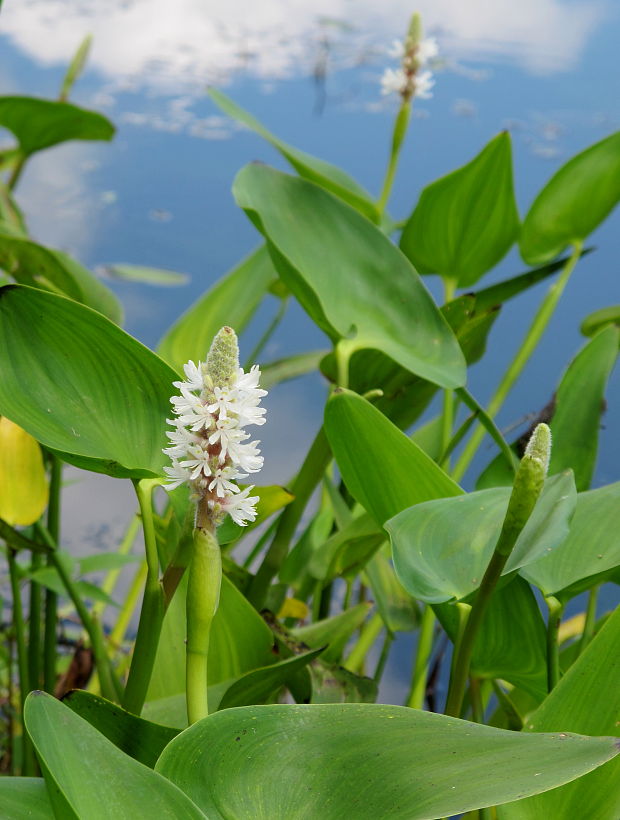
[(323, 173), (364, 761), (442, 548), (231, 301), (465, 222), (364, 289), (579, 403), (591, 550), (82, 386), (573, 203), (88, 776), (39, 124), (586, 700)]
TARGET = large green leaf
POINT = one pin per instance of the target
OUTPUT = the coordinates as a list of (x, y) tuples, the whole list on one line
[(231, 301), (574, 202), (81, 385), (442, 548), (41, 267), (24, 797), (465, 222), (87, 776), (579, 403), (591, 550), (323, 173), (364, 761), (586, 700), (383, 469), (140, 739), (511, 642), (348, 275), (39, 124)]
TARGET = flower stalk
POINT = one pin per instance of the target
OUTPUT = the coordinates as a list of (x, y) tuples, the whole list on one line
[(210, 452), (526, 490)]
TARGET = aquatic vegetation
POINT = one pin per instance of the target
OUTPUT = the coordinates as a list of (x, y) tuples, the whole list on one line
[(267, 613)]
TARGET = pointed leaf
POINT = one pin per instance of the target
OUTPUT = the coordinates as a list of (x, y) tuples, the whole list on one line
[(363, 289), (39, 124), (231, 301), (591, 549), (442, 548), (574, 202), (82, 386), (383, 469), (87, 776), (466, 221), (364, 761), (586, 700), (579, 403), (316, 170), (599, 319), (24, 797)]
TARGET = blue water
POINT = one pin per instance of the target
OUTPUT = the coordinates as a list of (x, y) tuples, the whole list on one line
[(159, 194)]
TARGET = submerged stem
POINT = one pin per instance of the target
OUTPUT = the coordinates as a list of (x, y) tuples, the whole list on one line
[(424, 648)]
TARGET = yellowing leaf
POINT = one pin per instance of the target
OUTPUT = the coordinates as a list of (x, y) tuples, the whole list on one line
[(23, 483)]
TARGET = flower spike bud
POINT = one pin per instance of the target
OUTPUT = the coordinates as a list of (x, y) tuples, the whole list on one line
[(414, 35), (223, 358), (527, 487)]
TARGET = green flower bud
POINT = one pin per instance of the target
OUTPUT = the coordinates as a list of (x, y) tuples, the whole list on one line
[(223, 358)]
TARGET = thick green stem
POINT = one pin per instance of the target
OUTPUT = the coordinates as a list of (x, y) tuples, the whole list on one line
[(152, 611), (303, 486), (27, 765), (556, 609), (532, 338), (401, 124), (368, 635), (203, 595), (489, 425), (590, 620), (383, 657), (51, 599), (417, 693)]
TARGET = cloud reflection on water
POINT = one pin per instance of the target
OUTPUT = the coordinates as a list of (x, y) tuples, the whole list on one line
[(161, 45)]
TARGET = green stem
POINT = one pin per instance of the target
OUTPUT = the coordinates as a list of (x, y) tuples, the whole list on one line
[(51, 599), (271, 329), (556, 609), (27, 766), (383, 657), (417, 693), (249, 560), (368, 635), (532, 338), (513, 718), (458, 437), (111, 579), (117, 635), (401, 124), (152, 611), (109, 684), (16, 172), (302, 487), (34, 626), (203, 594), (489, 425), (590, 620)]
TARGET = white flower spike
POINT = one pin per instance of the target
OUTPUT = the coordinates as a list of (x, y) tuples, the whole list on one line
[(208, 450)]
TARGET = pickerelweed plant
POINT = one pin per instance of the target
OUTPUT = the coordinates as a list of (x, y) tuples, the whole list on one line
[(250, 597)]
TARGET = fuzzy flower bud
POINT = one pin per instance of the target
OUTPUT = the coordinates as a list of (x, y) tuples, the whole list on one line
[(209, 448), (414, 54)]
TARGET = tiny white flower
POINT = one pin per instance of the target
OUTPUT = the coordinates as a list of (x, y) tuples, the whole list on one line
[(246, 456), (241, 507), (197, 461), (222, 481), (427, 50), (396, 50), (393, 81), (193, 374), (423, 84), (177, 475)]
